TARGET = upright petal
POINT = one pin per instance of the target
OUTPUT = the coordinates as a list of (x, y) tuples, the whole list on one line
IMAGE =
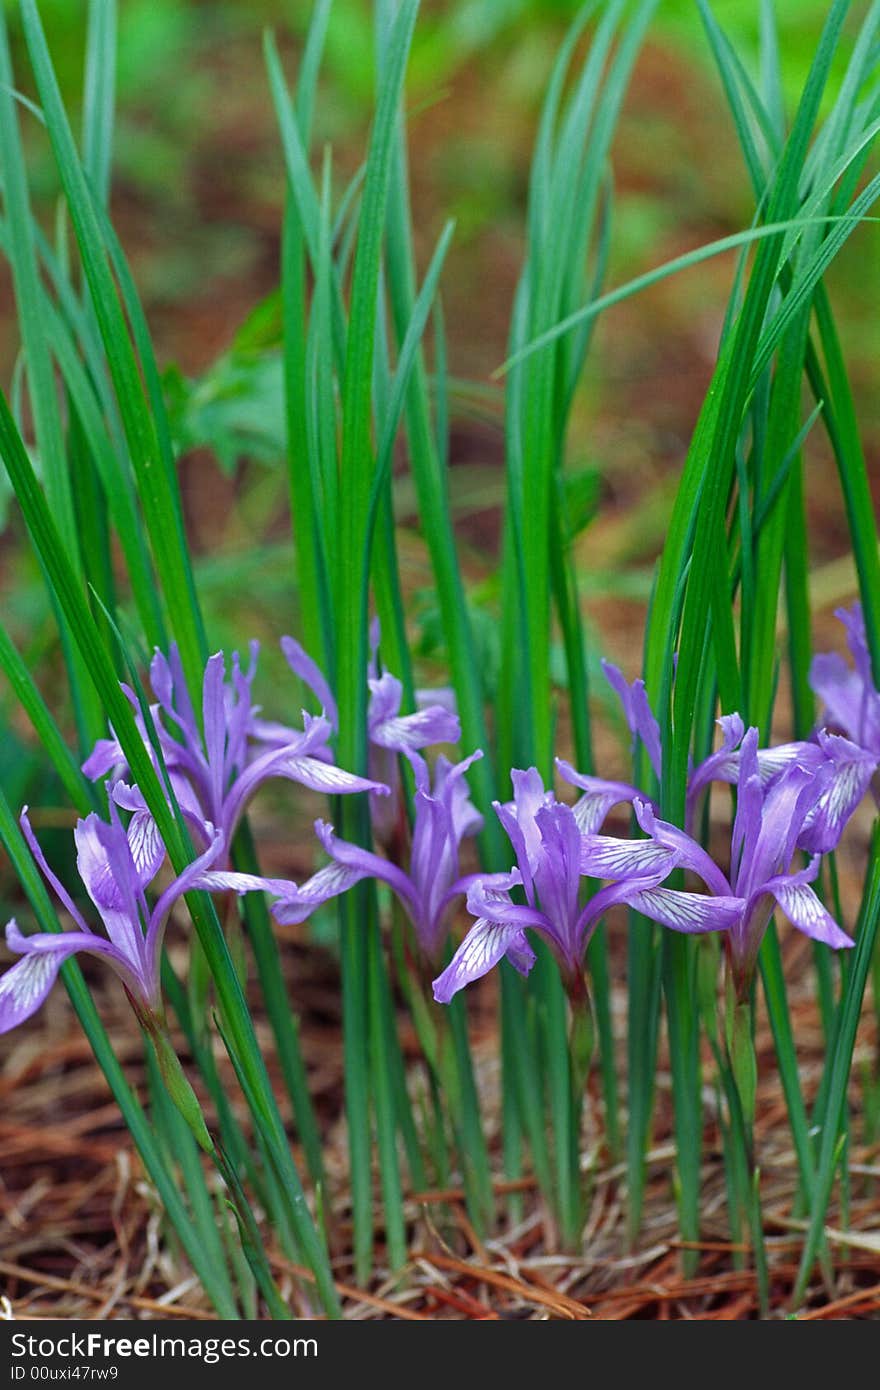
[(852, 771), (720, 766), (841, 691), (518, 819), (750, 800), (637, 712), (173, 694), (106, 756), (784, 810), (451, 787), (214, 720), (311, 675), (558, 872)]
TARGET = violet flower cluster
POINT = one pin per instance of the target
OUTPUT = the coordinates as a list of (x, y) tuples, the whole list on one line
[(790, 798), (214, 765)]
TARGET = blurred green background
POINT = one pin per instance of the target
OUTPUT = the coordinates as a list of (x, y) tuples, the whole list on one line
[(198, 197)]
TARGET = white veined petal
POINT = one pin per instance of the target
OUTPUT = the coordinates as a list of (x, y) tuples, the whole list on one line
[(804, 909), (328, 882), (484, 944), (24, 987), (688, 912), (603, 856), (145, 843), (321, 776)]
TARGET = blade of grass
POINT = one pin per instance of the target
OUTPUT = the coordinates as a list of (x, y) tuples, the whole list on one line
[(839, 1064), (157, 489)]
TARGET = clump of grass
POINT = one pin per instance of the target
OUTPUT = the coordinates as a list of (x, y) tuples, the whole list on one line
[(105, 521)]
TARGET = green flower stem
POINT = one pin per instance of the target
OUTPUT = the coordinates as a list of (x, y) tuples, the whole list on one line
[(440, 1029), (740, 1081), (185, 1099)]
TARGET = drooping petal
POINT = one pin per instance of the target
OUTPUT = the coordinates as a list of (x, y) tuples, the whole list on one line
[(605, 856), (484, 946), (367, 864), (326, 777), (299, 901), (611, 896), (781, 756), (687, 912), (146, 846), (26, 984), (229, 881), (296, 766), (804, 909), (489, 896)]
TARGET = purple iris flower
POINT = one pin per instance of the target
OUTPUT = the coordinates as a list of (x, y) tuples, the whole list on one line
[(116, 866), (850, 698), (770, 820), (552, 857), (852, 764), (214, 774), (846, 773), (390, 733), (444, 816)]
